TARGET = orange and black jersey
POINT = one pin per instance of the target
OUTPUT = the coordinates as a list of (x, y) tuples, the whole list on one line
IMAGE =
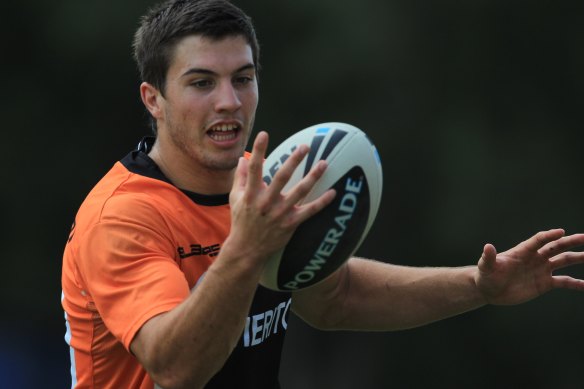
[(138, 247)]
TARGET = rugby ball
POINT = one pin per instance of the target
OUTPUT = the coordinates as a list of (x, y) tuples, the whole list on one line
[(321, 244)]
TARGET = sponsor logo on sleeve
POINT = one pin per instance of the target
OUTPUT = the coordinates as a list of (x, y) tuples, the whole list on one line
[(197, 250)]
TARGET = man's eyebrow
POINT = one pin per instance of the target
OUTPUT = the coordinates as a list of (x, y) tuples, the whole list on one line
[(212, 73)]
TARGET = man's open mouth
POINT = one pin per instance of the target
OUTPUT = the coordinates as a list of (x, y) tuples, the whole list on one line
[(223, 132)]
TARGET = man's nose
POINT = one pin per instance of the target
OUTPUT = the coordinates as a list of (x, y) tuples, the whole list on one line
[(227, 98)]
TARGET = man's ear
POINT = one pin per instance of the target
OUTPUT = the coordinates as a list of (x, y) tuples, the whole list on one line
[(152, 99)]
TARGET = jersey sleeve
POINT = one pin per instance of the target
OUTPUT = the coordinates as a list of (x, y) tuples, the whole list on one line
[(126, 260)]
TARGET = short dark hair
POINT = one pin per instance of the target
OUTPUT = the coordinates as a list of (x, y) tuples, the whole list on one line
[(165, 24)]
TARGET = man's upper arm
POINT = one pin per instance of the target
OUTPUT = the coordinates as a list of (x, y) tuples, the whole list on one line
[(127, 269)]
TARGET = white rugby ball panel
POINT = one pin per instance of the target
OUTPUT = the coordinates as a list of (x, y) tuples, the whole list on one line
[(323, 243)]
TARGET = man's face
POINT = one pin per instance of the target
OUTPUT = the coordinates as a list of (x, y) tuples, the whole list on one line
[(209, 102)]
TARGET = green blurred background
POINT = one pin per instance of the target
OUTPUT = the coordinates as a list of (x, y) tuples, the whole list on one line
[(476, 109)]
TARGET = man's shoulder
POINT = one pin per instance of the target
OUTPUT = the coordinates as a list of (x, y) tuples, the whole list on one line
[(122, 194)]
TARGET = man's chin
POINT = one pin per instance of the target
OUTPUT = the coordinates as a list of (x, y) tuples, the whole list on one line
[(226, 163)]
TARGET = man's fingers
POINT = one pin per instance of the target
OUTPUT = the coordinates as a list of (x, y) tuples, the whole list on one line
[(567, 282), (240, 177), (310, 209), (567, 259), (300, 190), (256, 162), (560, 245), (542, 238), (283, 174), (489, 257)]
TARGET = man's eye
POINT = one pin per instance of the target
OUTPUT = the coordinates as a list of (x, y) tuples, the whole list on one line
[(202, 84), (243, 80)]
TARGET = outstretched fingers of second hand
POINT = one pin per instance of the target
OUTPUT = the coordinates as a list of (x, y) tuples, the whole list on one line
[(542, 238), (567, 282), (558, 246), (567, 259)]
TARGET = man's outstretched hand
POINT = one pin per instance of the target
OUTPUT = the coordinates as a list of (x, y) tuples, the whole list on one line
[(526, 271)]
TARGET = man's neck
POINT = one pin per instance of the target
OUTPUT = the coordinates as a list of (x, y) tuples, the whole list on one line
[(194, 179)]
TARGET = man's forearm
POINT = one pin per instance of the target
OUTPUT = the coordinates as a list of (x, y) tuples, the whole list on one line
[(376, 296), (188, 345)]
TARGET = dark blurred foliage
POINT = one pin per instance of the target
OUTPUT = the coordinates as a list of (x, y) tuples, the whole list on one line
[(476, 109)]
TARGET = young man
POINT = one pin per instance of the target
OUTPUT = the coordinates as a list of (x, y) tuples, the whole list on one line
[(161, 270)]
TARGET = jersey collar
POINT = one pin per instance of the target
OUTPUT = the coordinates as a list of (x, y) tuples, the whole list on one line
[(138, 162)]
